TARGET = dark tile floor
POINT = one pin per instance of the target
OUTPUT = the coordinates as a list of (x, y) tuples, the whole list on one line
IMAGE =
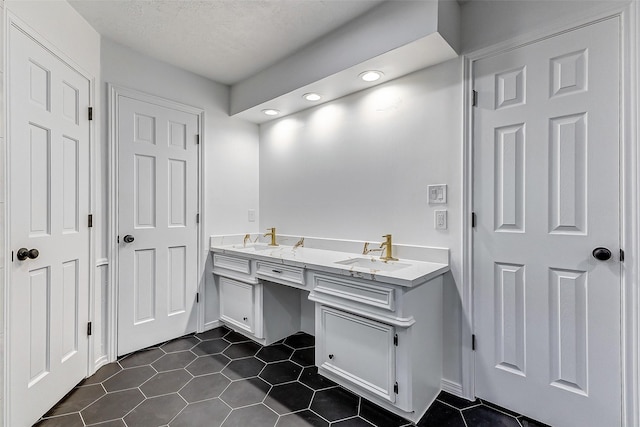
[(220, 378)]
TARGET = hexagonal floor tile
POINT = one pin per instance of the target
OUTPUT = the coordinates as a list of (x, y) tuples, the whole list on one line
[(301, 419), (112, 406), (210, 347), (208, 364), (288, 398), (129, 378), (208, 413), (300, 340), (352, 422), (310, 377), (280, 372), (243, 368), (275, 353), (380, 417), (180, 344), (234, 337), (254, 416), (71, 420), (166, 382), (243, 349), (335, 404), (214, 333), (305, 357), (142, 357), (172, 361), (102, 374), (156, 411), (204, 387), (113, 423), (77, 399), (245, 392)]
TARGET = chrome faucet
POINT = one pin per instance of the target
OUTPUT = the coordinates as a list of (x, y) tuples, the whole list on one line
[(272, 233), (388, 255)]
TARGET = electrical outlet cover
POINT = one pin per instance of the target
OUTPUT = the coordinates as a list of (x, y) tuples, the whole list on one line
[(437, 194), (440, 218)]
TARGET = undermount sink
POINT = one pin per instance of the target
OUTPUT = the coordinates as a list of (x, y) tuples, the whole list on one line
[(374, 264), (255, 247)]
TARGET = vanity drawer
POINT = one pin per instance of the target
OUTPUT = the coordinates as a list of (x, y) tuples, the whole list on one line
[(379, 296), (280, 272), (240, 265)]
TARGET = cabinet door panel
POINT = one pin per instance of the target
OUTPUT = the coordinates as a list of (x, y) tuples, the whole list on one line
[(360, 350), (236, 303)]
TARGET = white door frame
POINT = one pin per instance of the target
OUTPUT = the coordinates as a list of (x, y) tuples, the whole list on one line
[(629, 17), (11, 20), (113, 106)]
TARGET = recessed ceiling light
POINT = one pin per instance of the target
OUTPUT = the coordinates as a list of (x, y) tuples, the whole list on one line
[(311, 96), (271, 112), (371, 76)]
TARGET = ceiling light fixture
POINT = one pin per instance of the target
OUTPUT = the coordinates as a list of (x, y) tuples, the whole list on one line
[(271, 112), (371, 76), (312, 96)]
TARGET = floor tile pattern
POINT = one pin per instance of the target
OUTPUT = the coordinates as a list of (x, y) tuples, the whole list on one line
[(222, 379)]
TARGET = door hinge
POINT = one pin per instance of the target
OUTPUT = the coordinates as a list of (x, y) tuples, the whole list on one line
[(474, 98), (197, 297), (90, 221), (473, 220), (621, 255), (89, 329), (473, 342), (90, 113), (118, 239), (11, 256), (395, 388), (395, 340), (198, 218), (197, 139)]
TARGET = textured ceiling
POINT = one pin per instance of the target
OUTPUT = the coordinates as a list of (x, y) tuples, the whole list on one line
[(224, 40)]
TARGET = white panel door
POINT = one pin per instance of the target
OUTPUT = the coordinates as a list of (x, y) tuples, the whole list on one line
[(547, 312), (49, 204), (158, 204)]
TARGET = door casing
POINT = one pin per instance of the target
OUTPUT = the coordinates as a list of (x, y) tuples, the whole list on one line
[(629, 17), (11, 20), (114, 92)]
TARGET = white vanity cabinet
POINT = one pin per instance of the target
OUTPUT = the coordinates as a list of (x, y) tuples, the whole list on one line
[(237, 303), (382, 341), (248, 296)]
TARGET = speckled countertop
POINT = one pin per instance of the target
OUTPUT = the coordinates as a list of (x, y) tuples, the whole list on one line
[(404, 272)]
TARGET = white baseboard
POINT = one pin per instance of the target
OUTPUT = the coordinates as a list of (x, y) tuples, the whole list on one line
[(212, 325), (99, 363), (451, 387)]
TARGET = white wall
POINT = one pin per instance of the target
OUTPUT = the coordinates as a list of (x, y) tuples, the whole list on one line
[(487, 22), (76, 41), (358, 168), (231, 145)]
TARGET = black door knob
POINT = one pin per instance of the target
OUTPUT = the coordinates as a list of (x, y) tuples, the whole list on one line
[(331, 356), (128, 238), (601, 254), (24, 253)]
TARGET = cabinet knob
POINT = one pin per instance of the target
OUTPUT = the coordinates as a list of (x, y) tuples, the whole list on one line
[(331, 356)]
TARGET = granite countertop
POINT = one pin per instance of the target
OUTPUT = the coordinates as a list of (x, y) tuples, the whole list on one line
[(404, 272)]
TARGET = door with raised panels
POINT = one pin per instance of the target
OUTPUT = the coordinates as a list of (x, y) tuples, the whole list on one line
[(547, 271), (157, 223), (48, 292)]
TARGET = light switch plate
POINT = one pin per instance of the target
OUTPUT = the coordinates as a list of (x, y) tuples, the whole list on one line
[(252, 215), (440, 218), (437, 194)]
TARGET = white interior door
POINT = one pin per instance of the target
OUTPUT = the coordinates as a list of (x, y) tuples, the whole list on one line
[(546, 195), (157, 208), (49, 204)]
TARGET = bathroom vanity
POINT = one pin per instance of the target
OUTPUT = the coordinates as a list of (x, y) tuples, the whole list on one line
[(378, 324)]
